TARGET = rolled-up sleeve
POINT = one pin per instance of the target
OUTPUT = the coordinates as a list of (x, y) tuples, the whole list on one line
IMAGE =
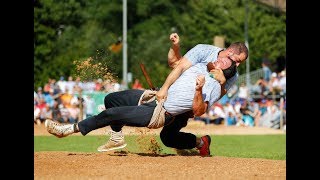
[(202, 53)]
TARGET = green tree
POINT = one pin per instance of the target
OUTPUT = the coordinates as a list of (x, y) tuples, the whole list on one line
[(70, 30)]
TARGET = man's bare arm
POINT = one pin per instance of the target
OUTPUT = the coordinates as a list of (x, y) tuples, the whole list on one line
[(174, 55), (223, 90), (173, 76), (199, 107), (219, 76)]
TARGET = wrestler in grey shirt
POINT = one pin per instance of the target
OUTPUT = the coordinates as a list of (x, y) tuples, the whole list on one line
[(181, 92)]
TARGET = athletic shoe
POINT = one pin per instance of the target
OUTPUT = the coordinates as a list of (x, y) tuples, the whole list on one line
[(116, 141), (57, 129), (205, 149)]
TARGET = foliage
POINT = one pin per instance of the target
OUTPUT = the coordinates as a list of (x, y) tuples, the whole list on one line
[(69, 30)]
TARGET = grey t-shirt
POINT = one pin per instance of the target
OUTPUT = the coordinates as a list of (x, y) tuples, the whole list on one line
[(181, 92)]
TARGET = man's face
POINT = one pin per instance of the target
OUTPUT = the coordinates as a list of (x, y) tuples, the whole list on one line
[(238, 58)]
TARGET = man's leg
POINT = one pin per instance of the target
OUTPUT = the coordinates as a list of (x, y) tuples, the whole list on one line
[(122, 98), (172, 137), (136, 116)]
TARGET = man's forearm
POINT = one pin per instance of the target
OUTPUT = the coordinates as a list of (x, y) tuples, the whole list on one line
[(223, 90), (174, 56), (172, 77), (199, 107)]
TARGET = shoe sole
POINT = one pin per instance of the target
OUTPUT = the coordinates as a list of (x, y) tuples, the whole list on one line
[(110, 149)]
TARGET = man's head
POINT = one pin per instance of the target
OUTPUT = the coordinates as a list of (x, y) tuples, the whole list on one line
[(237, 52)]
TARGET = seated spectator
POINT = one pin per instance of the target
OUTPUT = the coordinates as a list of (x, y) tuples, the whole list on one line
[(217, 111), (260, 89), (231, 119), (243, 92), (204, 117), (246, 115), (36, 115), (56, 114), (271, 118), (282, 82), (65, 114), (254, 111)]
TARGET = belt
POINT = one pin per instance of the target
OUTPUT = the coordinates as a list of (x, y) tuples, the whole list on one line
[(167, 114), (168, 118)]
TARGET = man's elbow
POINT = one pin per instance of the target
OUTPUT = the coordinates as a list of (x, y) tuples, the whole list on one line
[(198, 111)]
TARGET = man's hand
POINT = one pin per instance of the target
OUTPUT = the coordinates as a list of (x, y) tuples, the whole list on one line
[(174, 37), (218, 75), (161, 94), (200, 82)]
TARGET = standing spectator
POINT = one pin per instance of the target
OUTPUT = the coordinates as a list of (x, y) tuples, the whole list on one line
[(266, 71)]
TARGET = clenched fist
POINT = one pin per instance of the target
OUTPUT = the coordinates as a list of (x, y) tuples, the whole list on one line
[(200, 82), (174, 37), (218, 75), (161, 94)]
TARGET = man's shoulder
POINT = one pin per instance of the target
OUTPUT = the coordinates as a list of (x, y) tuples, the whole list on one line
[(207, 45)]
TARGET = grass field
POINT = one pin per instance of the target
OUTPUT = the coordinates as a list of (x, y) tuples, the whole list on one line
[(246, 146)]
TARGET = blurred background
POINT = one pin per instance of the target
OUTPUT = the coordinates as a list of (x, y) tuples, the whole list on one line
[(122, 34)]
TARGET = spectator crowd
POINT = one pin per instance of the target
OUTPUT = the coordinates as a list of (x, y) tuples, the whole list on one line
[(262, 104)]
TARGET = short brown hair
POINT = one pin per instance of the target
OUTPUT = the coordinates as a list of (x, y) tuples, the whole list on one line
[(238, 48)]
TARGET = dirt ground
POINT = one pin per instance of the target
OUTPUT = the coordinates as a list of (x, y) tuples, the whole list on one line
[(124, 165)]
